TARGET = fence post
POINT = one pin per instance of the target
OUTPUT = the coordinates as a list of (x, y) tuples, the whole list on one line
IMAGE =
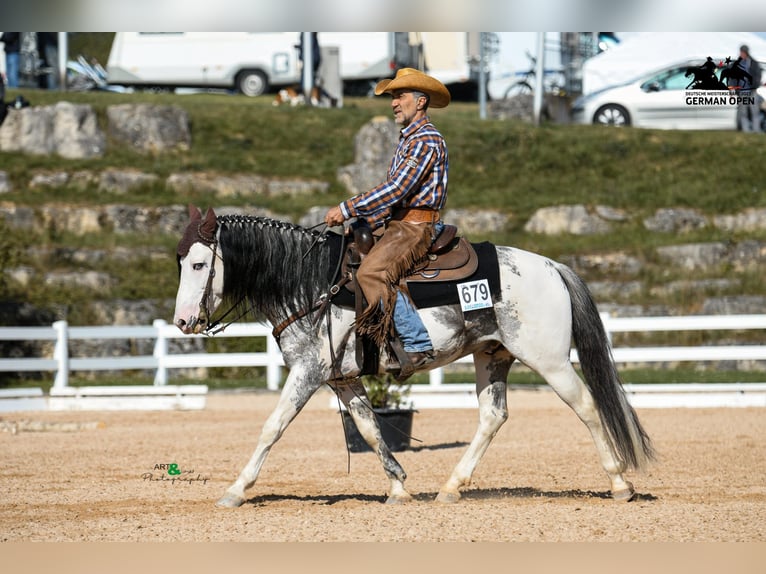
[(61, 355), (160, 352), (436, 377), (273, 369), (605, 320)]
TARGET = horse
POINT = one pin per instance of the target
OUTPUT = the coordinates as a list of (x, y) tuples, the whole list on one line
[(281, 271)]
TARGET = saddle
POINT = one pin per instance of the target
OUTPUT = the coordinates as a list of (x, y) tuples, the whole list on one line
[(450, 258)]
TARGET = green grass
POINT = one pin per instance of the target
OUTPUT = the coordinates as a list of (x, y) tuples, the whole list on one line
[(256, 379)]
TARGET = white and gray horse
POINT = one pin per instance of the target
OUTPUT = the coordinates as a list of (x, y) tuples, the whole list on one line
[(283, 270)]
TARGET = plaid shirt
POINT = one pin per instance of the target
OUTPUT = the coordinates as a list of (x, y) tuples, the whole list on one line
[(417, 177)]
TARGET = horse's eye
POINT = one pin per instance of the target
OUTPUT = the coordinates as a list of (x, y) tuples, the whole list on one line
[(198, 266)]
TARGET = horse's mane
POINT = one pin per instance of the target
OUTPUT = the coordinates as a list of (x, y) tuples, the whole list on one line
[(275, 266)]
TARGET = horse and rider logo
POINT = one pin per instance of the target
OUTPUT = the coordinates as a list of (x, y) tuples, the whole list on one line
[(733, 76)]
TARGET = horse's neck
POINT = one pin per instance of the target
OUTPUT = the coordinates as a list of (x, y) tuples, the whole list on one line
[(278, 266)]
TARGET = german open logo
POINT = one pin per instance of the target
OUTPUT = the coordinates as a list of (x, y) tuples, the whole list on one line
[(723, 83)]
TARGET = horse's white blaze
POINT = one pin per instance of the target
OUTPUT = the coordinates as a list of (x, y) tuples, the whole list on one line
[(195, 270)]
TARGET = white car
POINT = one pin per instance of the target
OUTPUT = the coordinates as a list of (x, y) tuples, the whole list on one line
[(659, 100)]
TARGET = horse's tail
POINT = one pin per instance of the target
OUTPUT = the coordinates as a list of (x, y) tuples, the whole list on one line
[(630, 440)]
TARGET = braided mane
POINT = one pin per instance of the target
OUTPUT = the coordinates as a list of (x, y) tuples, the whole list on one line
[(277, 267)]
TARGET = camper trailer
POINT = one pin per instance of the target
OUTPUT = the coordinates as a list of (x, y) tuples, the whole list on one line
[(253, 63)]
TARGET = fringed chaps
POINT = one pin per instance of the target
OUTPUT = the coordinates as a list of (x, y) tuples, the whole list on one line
[(402, 246)]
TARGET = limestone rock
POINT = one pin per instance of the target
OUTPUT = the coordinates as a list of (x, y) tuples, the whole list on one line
[(751, 219), (680, 220), (374, 145), (476, 221), (574, 219), (69, 130), (149, 128), (5, 184)]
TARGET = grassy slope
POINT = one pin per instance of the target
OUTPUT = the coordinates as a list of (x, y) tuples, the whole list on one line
[(508, 166)]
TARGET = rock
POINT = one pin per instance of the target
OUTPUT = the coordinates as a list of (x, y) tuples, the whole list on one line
[(76, 133), (734, 305), (19, 217), (614, 289), (751, 219), (149, 128), (694, 256), (611, 213), (476, 221), (244, 185), (675, 221), (692, 286), (75, 220), (220, 185), (573, 219), (5, 183), (374, 145), (121, 181), (604, 263), (54, 180), (94, 280), (748, 254), (313, 217), (22, 276), (69, 130)]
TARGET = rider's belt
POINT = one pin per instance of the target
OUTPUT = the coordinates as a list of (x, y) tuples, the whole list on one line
[(416, 215)]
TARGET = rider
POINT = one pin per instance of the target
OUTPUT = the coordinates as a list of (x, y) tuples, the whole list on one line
[(408, 205)]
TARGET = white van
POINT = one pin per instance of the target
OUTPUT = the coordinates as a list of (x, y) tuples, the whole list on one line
[(254, 62), (249, 62)]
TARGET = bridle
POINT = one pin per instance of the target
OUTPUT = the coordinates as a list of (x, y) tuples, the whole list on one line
[(203, 317)]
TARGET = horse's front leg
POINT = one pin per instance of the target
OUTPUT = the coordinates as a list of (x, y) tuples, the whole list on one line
[(299, 387), (355, 398)]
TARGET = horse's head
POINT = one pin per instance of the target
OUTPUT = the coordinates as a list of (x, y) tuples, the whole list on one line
[(200, 285)]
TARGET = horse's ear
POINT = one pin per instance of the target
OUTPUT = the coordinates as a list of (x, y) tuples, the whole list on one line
[(208, 225), (194, 213)]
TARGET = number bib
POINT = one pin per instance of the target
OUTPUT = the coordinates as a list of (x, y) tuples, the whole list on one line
[(474, 295)]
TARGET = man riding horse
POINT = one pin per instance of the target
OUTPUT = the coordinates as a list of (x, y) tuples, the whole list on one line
[(407, 205)]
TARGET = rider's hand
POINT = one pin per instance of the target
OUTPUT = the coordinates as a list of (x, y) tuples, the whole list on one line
[(334, 217)]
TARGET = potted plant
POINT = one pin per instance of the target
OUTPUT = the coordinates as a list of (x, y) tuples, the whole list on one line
[(392, 407)]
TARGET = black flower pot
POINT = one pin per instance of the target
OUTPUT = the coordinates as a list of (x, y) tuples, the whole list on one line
[(395, 426)]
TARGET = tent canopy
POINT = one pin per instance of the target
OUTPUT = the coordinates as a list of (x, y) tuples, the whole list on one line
[(650, 51)]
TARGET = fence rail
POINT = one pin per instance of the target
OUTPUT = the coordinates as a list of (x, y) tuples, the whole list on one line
[(161, 360)]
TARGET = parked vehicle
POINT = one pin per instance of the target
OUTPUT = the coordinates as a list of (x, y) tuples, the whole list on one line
[(658, 100), (253, 63)]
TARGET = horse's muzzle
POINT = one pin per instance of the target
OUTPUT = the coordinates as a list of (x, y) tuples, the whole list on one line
[(194, 325)]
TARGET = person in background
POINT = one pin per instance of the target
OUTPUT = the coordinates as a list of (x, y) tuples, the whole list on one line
[(749, 115), (12, 46)]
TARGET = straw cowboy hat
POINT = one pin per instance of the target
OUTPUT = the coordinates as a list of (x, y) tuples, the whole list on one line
[(411, 79)]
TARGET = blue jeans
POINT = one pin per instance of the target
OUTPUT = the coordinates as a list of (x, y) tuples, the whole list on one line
[(12, 69), (411, 329)]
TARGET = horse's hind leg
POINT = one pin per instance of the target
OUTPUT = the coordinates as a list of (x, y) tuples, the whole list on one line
[(570, 387), (298, 388), (491, 375), (355, 398)]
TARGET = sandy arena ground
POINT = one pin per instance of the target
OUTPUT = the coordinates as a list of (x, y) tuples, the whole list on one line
[(539, 481)]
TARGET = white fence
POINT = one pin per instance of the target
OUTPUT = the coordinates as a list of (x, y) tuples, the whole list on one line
[(161, 360)]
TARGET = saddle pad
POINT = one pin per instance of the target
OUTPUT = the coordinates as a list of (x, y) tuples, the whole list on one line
[(429, 293)]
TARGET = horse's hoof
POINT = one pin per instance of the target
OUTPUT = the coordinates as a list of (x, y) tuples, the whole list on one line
[(399, 499), (448, 497), (230, 501), (625, 495)]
